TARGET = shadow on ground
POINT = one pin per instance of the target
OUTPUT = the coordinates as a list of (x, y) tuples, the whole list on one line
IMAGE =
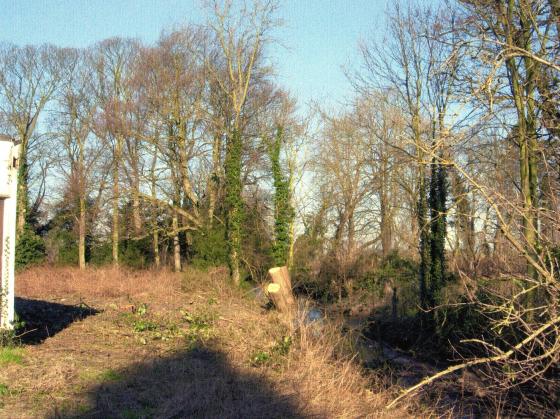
[(197, 383), (43, 319)]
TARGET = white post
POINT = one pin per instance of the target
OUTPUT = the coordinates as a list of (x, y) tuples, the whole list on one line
[(9, 157)]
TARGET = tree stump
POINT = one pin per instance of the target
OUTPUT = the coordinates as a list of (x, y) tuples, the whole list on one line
[(280, 289)]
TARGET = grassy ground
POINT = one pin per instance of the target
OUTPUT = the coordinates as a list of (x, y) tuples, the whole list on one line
[(112, 343)]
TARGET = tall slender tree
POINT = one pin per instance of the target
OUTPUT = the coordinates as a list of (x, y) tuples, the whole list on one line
[(241, 34), (29, 77)]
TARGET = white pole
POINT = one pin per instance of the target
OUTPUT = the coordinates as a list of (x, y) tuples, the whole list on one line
[(9, 156)]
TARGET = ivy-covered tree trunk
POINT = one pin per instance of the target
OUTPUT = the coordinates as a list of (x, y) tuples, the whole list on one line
[(22, 198), (424, 250), (234, 202), (438, 226), (283, 211)]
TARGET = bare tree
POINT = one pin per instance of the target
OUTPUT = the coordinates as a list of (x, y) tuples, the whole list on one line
[(29, 77), (241, 35), (79, 151), (112, 60)]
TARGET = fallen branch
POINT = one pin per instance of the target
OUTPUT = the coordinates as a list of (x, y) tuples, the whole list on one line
[(487, 360)]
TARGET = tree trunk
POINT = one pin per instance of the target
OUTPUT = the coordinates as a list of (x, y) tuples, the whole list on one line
[(422, 215), (234, 203), (283, 211), (155, 242), (424, 247), (136, 216), (290, 261), (155, 231), (22, 188), (82, 234), (523, 96), (214, 181), (386, 221), (280, 290), (176, 244), (385, 225), (116, 197)]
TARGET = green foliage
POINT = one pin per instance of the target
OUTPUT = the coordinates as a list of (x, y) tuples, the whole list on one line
[(283, 346), (201, 327), (62, 243), (274, 355), (4, 389), (148, 326), (101, 253), (283, 211), (393, 268), (459, 321), (61, 238), (110, 375), (400, 273), (8, 338), (11, 355), (62, 247), (259, 358), (136, 254), (30, 248), (142, 309), (431, 213), (19, 323), (438, 233), (233, 199), (208, 248), (143, 325)]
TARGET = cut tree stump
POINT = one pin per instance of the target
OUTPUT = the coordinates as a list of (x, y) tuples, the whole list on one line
[(280, 289)]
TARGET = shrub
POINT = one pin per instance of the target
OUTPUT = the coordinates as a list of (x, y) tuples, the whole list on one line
[(398, 273), (101, 253), (136, 254), (208, 248), (30, 248), (61, 247)]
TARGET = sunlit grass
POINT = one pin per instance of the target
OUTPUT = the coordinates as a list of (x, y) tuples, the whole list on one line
[(11, 355)]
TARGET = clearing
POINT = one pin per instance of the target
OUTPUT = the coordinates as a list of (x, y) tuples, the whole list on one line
[(117, 343)]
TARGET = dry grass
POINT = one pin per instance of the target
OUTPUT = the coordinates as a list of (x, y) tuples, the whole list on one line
[(202, 348), (97, 283)]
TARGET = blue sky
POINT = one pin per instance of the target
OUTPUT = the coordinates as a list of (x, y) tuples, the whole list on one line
[(319, 36)]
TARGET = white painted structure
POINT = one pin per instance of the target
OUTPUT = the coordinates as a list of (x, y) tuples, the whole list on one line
[(9, 157)]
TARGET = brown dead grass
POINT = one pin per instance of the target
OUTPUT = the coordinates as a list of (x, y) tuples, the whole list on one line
[(97, 283), (102, 366)]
